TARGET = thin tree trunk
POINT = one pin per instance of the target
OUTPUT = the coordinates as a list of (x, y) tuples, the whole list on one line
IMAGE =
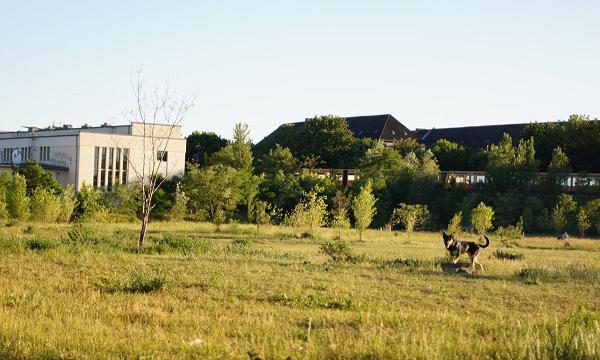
[(143, 230)]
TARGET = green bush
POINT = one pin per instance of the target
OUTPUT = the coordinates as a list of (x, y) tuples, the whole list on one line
[(45, 206), (176, 243), (39, 244), (83, 234), (511, 234), (337, 250), (313, 301), (141, 282)]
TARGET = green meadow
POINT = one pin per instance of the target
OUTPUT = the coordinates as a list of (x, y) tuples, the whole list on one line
[(197, 291)]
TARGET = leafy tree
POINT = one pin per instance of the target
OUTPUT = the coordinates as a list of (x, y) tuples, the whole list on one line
[(310, 212), (278, 159), (410, 216), (592, 210), (36, 176), (532, 209), (408, 145), (17, 202), (5, 181), (558, 169), (124, 201), (201, 145), (213, 191), (381, 165), (341, 203), (363, 207), (327, 138), (450, 155), (68, 203), (90, 207), (261, 214), (238, 153), (45, 206), (179, 208), (579, 139), (482, 217), (583, 222), (454, 226), (511, 234), (564, 214), (510, 167)]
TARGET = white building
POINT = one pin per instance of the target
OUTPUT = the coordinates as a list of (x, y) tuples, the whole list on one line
[(101, 156)]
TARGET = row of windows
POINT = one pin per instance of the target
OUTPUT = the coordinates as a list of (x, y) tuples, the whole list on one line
[(110, 167), (6, 155)]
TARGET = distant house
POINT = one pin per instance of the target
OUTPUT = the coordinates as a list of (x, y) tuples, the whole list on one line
[(473, 137), (377, 127)]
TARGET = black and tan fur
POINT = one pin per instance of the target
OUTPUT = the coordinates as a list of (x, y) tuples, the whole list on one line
[(457, 248)]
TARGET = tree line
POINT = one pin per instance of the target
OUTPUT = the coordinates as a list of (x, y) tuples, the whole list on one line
[(398, 188)]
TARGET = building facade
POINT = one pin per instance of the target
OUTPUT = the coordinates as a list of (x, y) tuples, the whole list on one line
[(101, 156)]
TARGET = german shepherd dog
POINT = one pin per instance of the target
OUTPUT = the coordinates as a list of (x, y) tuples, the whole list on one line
[(457, 248)]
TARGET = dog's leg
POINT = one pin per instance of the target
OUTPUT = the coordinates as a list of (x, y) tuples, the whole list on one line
[(455, 260), (478, 263)]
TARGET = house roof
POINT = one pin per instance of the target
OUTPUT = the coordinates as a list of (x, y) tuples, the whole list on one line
[(474, 137), (380, 127)]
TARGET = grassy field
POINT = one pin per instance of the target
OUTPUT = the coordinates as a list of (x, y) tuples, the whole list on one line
[(84, 292)]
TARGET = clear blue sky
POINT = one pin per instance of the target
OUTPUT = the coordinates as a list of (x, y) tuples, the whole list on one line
[(428, 63)]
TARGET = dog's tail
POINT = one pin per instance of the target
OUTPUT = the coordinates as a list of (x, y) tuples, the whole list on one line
[(487, 242)]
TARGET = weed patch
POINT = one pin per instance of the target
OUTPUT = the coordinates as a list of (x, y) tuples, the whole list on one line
[(338, 251), (313, 301), (505, 255), (39, 244), (141, 282)]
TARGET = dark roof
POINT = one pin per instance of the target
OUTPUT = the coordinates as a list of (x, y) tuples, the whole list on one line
[(380, 127), (473, 137)]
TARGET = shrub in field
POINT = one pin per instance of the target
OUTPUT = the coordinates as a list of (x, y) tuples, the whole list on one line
[(504, 255), (410, 216), (482, 217), (310, 212), (68, 202), (337, 250), (341, 203), (583, 222), (89, 205), (511, 234), (39, 244), (261, 214), (564, 214), (313, 301), (17, 202), (175, 242), (142, 282), (83, 234), (179, 208), (363, 207), (454, 226), (45, 206)]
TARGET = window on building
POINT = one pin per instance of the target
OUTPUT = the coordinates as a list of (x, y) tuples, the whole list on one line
[(118, 167), (162, 155), (125, 166), (44, 153), (103, 168), (96, 155), (111, 155)]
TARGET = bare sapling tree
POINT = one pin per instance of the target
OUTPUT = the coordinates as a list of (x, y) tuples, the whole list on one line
[(160, 114)]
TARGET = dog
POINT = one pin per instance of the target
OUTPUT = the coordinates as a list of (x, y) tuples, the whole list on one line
[(457, 248)]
